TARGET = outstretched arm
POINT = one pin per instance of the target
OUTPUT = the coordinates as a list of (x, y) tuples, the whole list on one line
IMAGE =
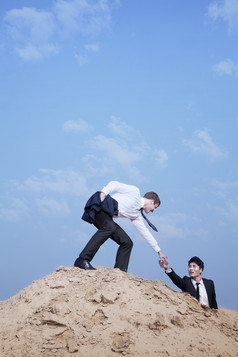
[(176, 279)]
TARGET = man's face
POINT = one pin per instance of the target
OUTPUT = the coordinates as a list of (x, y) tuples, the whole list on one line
[(194, 270), (150, 206)]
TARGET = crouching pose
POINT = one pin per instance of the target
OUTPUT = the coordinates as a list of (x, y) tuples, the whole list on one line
[(118, 200)]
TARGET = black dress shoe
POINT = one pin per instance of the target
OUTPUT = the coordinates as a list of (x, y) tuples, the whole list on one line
[(83, 264)]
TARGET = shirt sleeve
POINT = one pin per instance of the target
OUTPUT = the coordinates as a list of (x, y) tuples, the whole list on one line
[(112, 186), (145, 233)]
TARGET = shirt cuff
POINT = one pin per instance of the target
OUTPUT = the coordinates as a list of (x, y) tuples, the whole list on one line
[(168, 271)]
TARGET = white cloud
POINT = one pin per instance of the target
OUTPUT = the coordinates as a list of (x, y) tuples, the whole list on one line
[(231, 211), (121, 152), (93, 47), (227, 10), (31, 52), (81, 60), (32, 31), (122, 129), (85, 17), (100, 165), (48, 192), (57, 181), (120, 155), (161, 157), (225, 186), (52, 207), (203, 144), (37, 25), (227, 67), (18, 210), (79, 126), (124, 151), (35, 33), (226, 192)]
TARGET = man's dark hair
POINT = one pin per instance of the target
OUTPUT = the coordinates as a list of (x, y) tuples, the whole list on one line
[(153, 196), (198, 261)]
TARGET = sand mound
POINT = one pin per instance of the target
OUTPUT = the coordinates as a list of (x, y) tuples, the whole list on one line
[(106, 313)]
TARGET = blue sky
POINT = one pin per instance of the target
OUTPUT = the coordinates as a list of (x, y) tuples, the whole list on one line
[(143, 92)]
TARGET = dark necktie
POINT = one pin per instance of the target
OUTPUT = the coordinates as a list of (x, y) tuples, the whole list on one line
[(149, 223), (197, 291)]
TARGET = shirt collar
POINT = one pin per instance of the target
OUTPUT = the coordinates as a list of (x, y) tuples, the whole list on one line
[(194, 282)]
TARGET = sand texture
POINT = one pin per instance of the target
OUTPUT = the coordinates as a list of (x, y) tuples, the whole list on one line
[(107, 313)]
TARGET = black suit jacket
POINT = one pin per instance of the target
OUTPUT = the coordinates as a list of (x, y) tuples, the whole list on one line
[(94, 205), (185, 284)]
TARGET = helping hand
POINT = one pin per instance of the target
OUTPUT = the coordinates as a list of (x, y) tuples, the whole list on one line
[(164, 264), (163, 260)]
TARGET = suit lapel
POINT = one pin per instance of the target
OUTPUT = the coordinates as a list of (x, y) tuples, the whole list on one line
[(206, 286), (192, 288), (208, 290)]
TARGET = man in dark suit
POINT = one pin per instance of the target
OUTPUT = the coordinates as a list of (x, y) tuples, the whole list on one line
[(200, 288)]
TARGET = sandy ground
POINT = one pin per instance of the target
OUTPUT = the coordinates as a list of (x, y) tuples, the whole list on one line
[(107, 313)]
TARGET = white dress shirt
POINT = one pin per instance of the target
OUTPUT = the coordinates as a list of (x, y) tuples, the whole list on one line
[(129, 204), (203, 299)]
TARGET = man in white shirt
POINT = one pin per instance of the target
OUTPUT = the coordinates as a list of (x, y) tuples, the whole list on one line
[(117, 200), (200, 288)]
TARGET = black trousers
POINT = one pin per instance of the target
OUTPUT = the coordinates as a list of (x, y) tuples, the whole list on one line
[(107, 228)]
